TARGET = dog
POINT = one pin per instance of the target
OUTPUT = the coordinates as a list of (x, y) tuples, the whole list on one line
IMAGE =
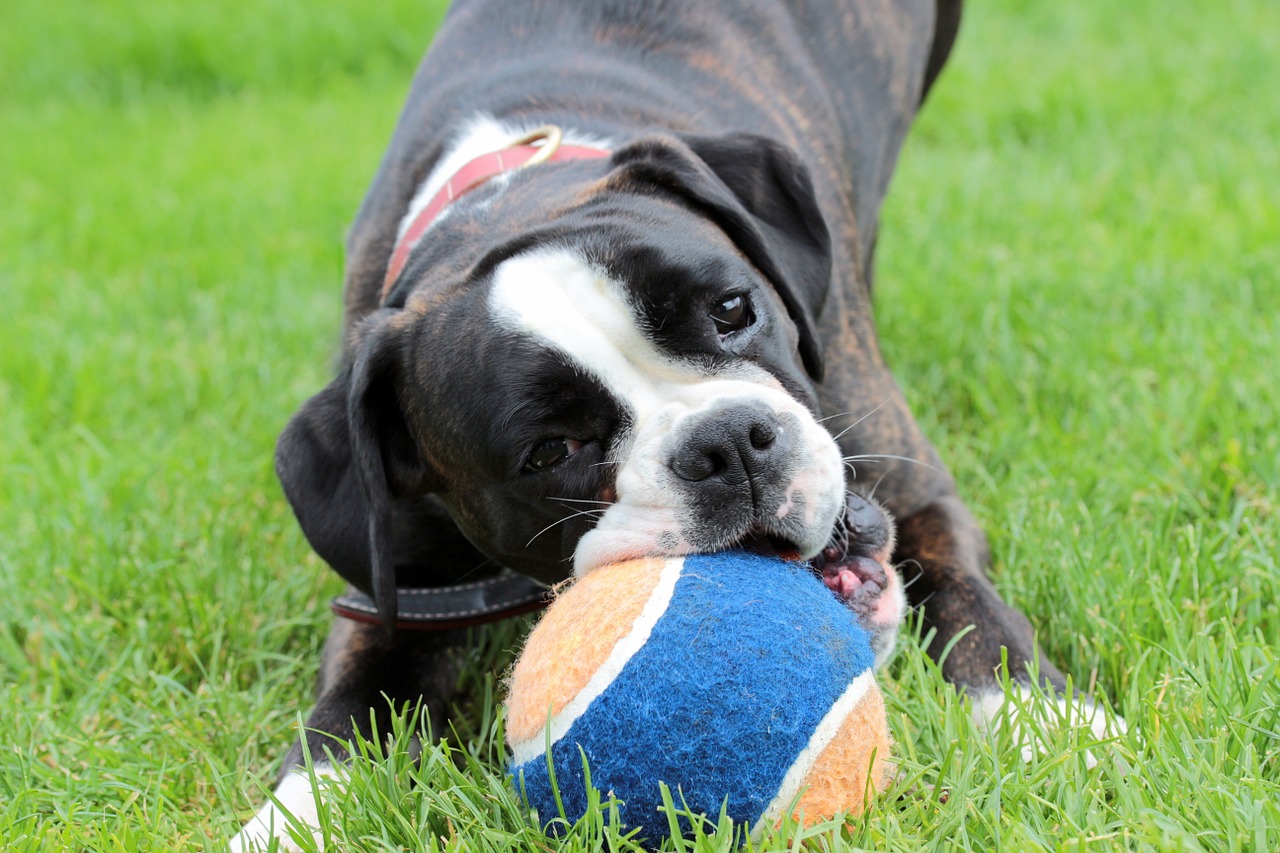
[(609, 295)]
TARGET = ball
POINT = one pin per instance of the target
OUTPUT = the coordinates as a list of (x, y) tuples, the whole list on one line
[(739, 681)]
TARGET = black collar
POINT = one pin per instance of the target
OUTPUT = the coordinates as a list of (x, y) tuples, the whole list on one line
[(461, 605)]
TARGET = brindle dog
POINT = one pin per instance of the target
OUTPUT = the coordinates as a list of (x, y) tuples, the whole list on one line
[(670, 326)]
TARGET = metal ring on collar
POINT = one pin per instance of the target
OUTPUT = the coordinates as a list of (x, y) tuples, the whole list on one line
[(551, 136)]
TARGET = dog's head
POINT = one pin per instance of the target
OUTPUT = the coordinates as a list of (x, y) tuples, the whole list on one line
[(593, 361)]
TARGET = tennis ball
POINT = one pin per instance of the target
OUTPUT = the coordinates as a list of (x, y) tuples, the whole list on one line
[(735, 679)]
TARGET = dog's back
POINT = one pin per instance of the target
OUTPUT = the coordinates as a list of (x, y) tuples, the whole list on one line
[(837, 81)]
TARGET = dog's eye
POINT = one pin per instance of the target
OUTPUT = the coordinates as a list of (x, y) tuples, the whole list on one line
[(732, 315), (551, 452)]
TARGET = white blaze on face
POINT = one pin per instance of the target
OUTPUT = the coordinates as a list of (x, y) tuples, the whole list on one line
[(557, 297)]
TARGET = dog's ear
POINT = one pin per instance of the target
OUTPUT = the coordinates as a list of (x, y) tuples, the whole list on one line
[(760, 193), (344, 458)]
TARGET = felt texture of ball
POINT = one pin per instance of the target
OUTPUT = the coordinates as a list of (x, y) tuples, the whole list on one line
[(735, 679)]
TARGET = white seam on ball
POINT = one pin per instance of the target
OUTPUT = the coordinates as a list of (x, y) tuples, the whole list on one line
[(828, 727), (608, 671)]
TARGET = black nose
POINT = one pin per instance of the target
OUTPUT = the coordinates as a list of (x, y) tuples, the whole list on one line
[(733, 446)]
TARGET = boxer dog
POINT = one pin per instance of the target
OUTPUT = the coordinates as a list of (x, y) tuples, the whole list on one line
[(608, 296)]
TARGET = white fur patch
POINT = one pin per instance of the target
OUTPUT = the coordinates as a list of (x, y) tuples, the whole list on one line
[(556, 296), (992, 709), (295, 803)]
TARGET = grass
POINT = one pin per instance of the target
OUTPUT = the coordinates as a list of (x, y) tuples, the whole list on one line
[(1078, 289)]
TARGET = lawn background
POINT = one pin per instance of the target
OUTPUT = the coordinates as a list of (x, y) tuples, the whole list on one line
[(1077, 286)]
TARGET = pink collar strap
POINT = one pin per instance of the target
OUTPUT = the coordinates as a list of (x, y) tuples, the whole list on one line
[(521, 153)]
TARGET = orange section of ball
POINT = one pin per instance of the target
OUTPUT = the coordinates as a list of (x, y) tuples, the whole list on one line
[(844, 774), (574, 637)]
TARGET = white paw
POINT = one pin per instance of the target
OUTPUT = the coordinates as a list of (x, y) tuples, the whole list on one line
[(292, 811), (1033, 715)]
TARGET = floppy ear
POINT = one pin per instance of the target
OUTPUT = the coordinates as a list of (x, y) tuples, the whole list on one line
[(761, 195), (343, 459)]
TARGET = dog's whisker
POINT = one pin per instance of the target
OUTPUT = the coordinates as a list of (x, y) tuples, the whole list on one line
[(906, 584), (842, 432), (475, 569), (872, 495), (580, 501), (545, 529), (873, 457), (595, 511), (925, 600), (592, 511), (570, 517)]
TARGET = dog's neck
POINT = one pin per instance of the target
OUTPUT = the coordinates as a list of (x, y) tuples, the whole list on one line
[(484, 151), (480, 134)]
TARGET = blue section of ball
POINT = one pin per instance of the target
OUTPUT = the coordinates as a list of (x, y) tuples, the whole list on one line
[(748, 658)]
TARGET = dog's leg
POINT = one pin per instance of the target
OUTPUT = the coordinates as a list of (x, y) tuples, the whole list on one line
[(943, 556), (294, 799), (944, 559), (361, 670)]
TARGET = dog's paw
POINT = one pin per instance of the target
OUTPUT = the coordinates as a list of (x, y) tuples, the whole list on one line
[(1036, 716), (292, 811)]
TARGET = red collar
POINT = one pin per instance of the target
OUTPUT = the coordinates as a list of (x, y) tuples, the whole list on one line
[(519, 154)]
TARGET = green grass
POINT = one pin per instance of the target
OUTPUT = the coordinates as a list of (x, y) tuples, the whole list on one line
[(1078, 288)]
